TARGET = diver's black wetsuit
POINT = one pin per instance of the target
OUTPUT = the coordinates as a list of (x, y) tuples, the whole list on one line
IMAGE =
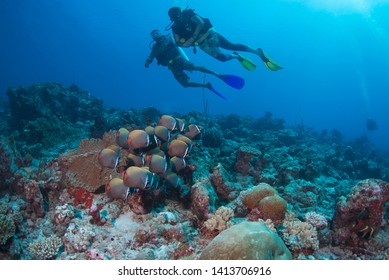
[(168, 54)]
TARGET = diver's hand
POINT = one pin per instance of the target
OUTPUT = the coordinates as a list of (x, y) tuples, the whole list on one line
[(189, 42), (148, 61), (180, 42)]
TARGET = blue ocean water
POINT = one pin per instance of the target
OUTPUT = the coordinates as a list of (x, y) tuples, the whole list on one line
[(335, 56)]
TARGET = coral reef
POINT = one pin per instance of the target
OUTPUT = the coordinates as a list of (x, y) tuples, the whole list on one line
[(359, 216), (243, 158), (6, 163), (225, 189), (300, 237), (51, 99), (203, 200), (47, 114), (7, 229), (80, 181)]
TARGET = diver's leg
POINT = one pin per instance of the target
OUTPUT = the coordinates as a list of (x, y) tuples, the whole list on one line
[(194, 84), (225, 44), (206, 70), (192, 67), (184, 80), (211, 46)]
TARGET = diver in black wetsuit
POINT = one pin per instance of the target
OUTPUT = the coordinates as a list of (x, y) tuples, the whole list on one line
[(168, 54)]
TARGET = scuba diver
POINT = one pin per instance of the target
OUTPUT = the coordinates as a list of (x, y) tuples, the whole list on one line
[(371, 124), (169, 54), (190, 29)]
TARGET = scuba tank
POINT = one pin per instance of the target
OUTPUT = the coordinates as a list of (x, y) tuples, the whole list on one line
[(183, 54)]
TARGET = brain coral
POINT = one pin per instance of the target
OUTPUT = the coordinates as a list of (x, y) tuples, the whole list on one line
[(246, 241), (273, 207), (252, 196)]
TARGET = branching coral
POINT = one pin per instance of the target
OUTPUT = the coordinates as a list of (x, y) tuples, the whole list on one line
[(316, 219), (220, 221), (45, 248), (63, 214), (300, 237)]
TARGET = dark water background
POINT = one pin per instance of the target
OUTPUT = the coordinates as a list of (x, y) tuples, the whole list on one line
[(335, 56)]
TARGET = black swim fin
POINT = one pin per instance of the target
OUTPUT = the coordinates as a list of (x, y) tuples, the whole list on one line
[(233, 81), (268, 62)]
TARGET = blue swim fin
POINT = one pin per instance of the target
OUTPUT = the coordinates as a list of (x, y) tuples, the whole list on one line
[(233, 81), (210, 87)]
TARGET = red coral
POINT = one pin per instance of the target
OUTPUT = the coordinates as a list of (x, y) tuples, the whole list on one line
[(81, 196)]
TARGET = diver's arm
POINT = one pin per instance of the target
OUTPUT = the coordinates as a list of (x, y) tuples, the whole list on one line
[(150, 59), (177, 40), (199, 26)]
